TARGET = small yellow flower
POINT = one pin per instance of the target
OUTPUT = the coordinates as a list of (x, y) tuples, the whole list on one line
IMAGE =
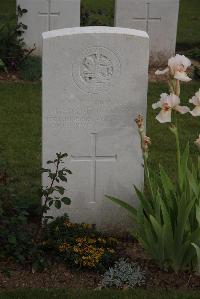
[(91, 241), (86, 225), (66, 222), (101, 240), (76, 249), (81, 240), (111, 250), (63, 247)]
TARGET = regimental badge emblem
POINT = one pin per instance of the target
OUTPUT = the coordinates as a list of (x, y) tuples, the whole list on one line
[(96, 70)]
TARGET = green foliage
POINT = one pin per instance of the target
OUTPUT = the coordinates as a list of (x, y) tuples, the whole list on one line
[(30, 68), (3, 66), (169, 225), (194, 53), (197, 248), (79, 245), (99, 13), (17, 233), (16, 237), (196, 74), (168, 217), (54, 193), (19, 239), (123, 274), (7, 7), (12, 46)]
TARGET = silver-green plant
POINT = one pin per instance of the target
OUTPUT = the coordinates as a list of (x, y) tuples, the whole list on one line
[(123, 274), (168, 216)]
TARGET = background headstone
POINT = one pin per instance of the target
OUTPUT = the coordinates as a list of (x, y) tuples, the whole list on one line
[(46, 15), (94, 84), (158, 18)]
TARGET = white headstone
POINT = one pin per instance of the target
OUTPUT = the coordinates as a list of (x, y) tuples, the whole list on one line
[(94, 84), (157, 17), (46, 15)]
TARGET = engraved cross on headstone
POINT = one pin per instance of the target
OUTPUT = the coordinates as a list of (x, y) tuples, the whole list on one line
[(148, 18), (93, 158), (49, 14)]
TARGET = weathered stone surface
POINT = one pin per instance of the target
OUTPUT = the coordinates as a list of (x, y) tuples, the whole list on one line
[(46, 15), (94, 84), (157, 17)]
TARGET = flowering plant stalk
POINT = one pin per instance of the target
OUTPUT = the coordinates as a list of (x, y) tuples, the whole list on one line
[(168, 216)]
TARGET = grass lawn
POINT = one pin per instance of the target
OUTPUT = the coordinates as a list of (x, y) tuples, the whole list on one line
[(20, 137), (189, 24), (7, 7), (105, 294), (101, 12)]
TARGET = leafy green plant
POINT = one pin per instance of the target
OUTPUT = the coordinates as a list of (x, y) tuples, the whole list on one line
[(168, 217), (196, 73), (31, 69), (19, 238), (194, 53), (79, 245), (53, 194), (15, 240), (12, 46), (16, 231), (123, 274), (16, 236), (97, 15), (3, 66)]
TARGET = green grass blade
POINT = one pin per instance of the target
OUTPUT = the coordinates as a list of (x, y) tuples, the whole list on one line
[(144, 201), (184, 165), (197, 248)]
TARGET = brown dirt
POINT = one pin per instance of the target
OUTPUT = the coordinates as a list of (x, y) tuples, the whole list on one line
[(157, 278), (9, 77), (59, 276), (55, 276)]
